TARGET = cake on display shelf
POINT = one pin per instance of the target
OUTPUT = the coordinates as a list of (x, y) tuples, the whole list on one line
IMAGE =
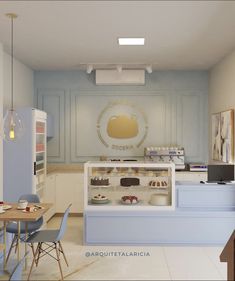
[(159, 199), (129, 199), (158, 184), (99, 199), (99, 181), (129, 181)]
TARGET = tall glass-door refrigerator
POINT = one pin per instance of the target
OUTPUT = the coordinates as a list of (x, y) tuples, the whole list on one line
[(24, 160)]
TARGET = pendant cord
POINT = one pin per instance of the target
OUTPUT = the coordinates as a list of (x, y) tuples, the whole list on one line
[(12, 90)]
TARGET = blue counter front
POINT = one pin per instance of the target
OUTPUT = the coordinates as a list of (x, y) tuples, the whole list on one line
[(204, 215)]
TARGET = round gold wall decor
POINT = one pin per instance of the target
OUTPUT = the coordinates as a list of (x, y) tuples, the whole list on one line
[(122, 126)]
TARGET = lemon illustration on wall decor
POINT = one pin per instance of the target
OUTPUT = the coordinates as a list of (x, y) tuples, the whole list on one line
[(122, 127)]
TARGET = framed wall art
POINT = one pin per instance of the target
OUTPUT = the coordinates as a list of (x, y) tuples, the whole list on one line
[(223, 136)]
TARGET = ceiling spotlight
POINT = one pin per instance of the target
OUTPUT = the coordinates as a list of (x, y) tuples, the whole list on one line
[(149, 68), (89, 68), (119, 68)]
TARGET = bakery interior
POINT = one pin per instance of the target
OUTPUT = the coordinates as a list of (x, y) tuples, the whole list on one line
[(117, 140)]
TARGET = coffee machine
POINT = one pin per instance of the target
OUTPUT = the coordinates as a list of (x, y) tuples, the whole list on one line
[(162, 154)]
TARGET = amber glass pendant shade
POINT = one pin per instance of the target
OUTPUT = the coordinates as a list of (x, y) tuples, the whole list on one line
[(12, 125)]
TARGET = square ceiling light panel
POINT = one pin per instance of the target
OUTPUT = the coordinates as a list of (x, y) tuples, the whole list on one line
[(131, 41)]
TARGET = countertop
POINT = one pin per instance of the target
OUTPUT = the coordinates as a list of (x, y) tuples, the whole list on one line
[(78, 168), (64, 168)]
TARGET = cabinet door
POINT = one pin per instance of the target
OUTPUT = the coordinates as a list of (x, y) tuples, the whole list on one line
[(79, 192), (49, 196), (50, 189), (68, 190)]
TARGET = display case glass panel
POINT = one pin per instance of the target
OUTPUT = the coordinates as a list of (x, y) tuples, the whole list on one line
[(129, 185)]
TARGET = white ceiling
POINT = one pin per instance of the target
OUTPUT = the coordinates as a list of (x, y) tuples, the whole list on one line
[(54, 35)]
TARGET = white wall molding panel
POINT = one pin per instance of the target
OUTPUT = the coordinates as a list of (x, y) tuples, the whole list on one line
[(53, 102), (92, 114), (170, 109)]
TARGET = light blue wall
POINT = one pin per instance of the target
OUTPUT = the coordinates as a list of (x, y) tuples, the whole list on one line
[(185, 117)]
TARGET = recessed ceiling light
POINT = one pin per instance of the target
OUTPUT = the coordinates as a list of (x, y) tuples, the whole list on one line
[(131, 41)]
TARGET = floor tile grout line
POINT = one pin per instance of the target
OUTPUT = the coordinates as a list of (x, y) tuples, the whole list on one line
[(212, 261), (168, 267), (78, 270)]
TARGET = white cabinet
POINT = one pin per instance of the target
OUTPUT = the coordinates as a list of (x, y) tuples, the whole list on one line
[(69, 189), (50, 196)]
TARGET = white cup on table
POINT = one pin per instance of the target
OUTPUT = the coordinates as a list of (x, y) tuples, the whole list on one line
[(22, 204)]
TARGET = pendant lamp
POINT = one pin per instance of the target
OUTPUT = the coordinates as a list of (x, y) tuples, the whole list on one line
[(12, 124)]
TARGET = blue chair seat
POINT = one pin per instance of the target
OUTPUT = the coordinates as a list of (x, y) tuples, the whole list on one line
[(32, 226), (49, 236)]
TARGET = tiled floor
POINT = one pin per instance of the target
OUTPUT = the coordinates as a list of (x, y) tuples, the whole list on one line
[(163, 263)]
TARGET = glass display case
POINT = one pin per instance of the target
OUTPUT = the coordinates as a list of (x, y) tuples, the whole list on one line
[(129, 185)]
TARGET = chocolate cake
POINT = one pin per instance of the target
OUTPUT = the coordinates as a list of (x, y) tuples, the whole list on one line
[(129, 181), (99, 181)]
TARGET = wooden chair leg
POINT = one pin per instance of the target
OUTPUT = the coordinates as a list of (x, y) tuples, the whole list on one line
[(12, 245), (39, 253), (62, 251), (17, 243), (58, 259), (33, 251), (34, 257)]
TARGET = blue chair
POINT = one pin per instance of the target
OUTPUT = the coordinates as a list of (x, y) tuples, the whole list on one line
[(51, 239), (17, 272), (30, 227)]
